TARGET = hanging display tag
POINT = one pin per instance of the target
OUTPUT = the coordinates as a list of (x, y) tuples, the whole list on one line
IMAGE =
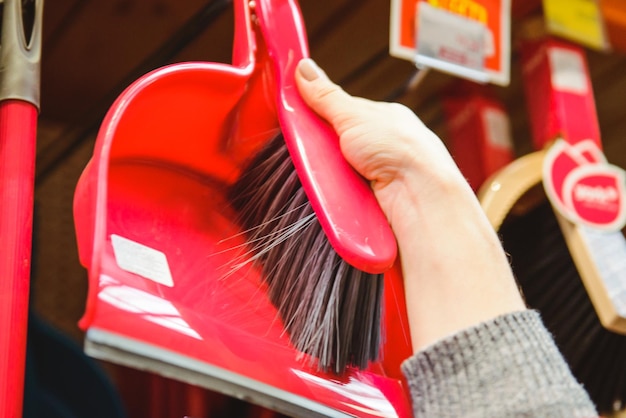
[(578, 20), (469, 38), (450, 43), (583, 186)]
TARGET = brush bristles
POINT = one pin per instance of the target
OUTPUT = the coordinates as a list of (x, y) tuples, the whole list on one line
[(330, 310), (551, 284)]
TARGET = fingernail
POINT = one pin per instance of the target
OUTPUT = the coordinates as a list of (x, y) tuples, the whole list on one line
[(309, 69)]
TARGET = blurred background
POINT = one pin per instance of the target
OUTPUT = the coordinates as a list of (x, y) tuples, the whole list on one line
[(92, 50)]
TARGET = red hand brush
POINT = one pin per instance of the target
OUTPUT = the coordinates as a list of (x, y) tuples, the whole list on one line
[(319, 233)]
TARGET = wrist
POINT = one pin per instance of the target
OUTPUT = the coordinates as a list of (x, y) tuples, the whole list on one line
[(416, 196), (455, 271)]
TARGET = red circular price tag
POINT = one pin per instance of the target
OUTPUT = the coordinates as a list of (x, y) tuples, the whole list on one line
[(583, 186)]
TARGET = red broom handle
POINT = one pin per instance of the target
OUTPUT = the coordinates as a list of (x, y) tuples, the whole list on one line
[(18, 126), (19, 105)]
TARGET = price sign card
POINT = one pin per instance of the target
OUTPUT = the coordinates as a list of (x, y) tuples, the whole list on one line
[(458, 49), (469, 38)]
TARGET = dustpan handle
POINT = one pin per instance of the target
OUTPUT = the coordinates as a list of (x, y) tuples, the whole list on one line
[(244, 44), (342, 200)]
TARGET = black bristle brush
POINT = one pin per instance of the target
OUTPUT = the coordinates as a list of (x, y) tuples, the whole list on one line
[(551, 283), (314, 225), (330, 309)]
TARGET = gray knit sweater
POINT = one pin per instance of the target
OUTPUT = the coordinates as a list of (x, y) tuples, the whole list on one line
[(506, 367)]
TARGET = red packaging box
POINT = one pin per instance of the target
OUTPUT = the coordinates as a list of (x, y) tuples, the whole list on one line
[(558, 91), (479, 135)]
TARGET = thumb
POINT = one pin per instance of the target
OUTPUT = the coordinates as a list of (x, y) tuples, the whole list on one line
[(326, 98)]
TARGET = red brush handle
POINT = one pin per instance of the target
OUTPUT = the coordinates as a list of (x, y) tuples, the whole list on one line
[(342, 200), (17, 168)]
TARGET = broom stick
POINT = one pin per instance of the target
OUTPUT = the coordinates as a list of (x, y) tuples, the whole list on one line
[(19, 99)]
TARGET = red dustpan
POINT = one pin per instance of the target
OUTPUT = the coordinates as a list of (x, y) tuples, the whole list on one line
[(157, 236)]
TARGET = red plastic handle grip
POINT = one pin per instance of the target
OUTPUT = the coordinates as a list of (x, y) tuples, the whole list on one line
[(342, 200)]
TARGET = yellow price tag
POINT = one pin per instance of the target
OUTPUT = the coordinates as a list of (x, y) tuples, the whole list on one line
[(578, 20)]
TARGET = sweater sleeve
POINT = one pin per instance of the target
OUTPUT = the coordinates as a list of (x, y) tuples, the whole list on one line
[(508, 366)]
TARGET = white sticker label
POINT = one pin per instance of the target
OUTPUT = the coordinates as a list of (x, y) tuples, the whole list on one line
[(498, 128), (567, 71), (142, 260)]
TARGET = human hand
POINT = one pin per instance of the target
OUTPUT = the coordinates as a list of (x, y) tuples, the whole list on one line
[(382, 141), (455, 271)]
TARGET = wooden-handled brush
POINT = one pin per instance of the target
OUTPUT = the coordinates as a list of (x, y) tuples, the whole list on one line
[(556, 262), (314, 223), (553, 267)]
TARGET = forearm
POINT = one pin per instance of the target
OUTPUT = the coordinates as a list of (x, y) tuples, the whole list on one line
[(455, 271), (479, 351)]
